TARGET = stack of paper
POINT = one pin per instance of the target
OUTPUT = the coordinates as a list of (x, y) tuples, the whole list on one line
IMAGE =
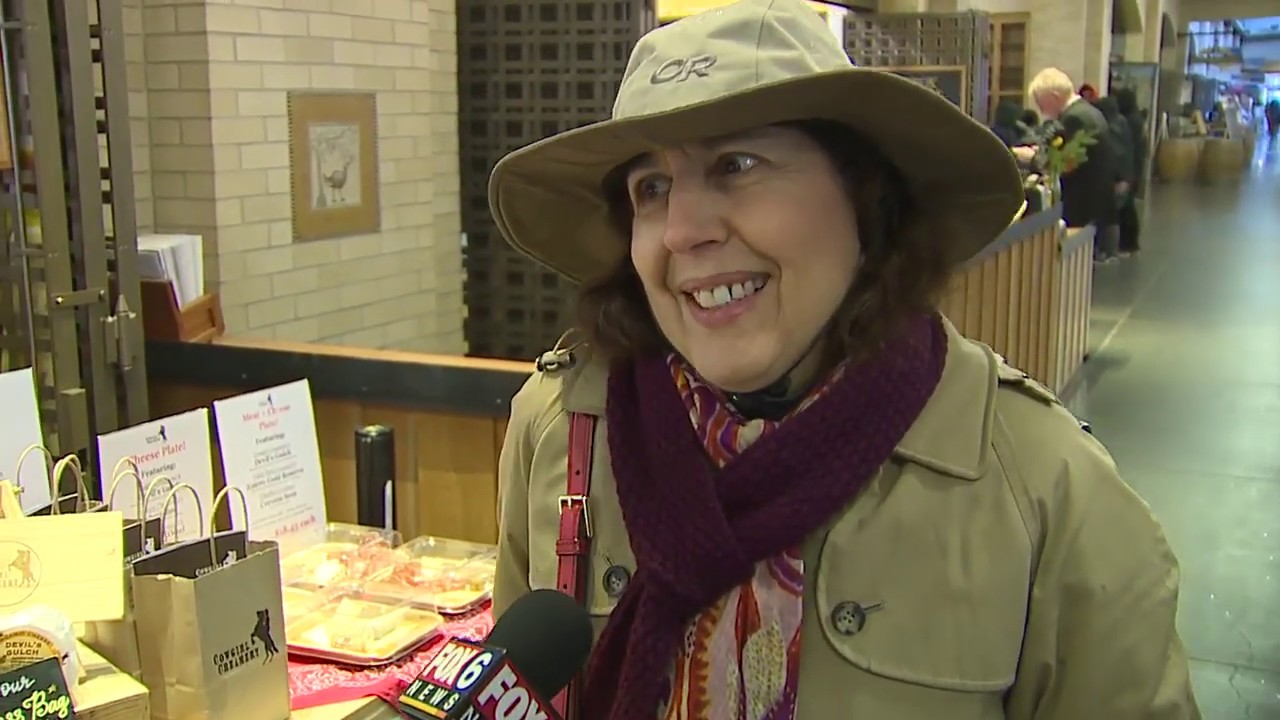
[(177, 259)]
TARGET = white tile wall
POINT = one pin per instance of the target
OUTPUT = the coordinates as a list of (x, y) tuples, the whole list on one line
[(212, 78)]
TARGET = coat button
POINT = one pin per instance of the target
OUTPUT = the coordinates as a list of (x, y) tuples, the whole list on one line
[(850, 617), (616, 580)]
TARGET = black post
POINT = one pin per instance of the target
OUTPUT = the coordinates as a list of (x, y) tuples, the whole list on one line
[(375, 476)]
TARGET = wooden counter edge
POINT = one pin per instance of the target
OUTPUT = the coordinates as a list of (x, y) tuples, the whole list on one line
[(475, 386), (1024, 229), (367, 708), (381, 355)]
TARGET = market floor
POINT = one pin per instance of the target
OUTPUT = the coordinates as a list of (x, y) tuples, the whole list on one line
[(1183, 386)]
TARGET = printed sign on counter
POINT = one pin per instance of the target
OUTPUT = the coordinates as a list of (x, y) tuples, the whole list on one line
[(20, 418), (176, 448), (269, 450), (36, 692)]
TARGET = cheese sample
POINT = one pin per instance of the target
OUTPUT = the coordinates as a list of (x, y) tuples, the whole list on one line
[(39, 633)]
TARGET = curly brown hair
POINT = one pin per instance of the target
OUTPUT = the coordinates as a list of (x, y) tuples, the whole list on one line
[(904, 268)]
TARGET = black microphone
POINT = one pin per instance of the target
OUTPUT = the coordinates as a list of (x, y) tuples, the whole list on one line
[(534, 650)]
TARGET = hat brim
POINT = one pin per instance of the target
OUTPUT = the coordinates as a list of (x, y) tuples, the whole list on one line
[(548, 198)]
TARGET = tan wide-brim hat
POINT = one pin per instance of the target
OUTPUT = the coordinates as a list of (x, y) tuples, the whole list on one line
[(747, 65)]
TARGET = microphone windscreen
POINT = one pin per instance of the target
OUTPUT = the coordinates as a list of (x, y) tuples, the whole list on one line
[(547, 636)]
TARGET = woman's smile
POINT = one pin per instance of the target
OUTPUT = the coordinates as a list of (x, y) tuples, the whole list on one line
[(720, 300)]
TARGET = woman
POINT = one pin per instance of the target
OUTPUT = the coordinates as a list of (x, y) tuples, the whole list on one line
[(783, 485)]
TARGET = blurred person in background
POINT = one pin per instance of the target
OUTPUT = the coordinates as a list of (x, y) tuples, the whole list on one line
[(1125, 171), (1089, 190), (1136, 120), (1009, 126)]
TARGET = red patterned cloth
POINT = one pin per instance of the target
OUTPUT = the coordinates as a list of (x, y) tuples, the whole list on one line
[(313, 683)]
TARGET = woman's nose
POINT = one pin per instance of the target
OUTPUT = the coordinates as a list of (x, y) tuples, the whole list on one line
[(693, 217)]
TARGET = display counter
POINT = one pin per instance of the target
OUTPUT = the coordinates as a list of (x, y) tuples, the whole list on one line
[(1210, 160), (448, 414), (1027, 295), (370, 708)]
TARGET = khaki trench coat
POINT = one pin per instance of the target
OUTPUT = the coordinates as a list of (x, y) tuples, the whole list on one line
[(996, 567)]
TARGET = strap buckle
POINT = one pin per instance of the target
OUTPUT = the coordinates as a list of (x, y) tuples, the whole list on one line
[(568, 501)]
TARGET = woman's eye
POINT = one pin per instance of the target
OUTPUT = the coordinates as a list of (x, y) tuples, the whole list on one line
[(736, 163), (650, 187)]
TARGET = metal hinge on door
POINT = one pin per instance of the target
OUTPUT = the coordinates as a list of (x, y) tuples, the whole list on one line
[(120, 329)]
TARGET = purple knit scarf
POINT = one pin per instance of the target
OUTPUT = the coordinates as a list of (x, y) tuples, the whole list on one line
[(698, 532)]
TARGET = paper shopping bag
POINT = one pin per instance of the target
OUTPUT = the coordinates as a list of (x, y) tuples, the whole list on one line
[(210, 623), (30, 485), (117, 641), (142, 534), (78, 500)]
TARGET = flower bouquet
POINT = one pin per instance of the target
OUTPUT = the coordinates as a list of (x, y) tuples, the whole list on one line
[(1058, 155)]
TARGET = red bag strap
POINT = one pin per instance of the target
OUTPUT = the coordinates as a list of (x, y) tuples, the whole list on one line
[(574, 544)]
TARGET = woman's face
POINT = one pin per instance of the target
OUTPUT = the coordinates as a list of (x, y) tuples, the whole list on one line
[(746, 246)]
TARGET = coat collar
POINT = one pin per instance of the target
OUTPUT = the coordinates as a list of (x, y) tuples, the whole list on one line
[(951, 436)]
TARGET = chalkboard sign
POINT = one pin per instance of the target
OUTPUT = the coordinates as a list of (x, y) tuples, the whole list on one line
[(36, 692), (949, 81)]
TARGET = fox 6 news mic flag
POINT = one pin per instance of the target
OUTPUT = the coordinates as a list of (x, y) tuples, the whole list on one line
[(534, 650), (472, 681)]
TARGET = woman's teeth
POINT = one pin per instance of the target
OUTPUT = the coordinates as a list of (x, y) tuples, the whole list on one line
[(724, 294)]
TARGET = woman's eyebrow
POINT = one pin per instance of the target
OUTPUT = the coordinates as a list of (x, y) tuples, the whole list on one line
[(647, 162)]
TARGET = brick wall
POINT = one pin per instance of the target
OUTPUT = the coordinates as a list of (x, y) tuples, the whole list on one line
[(217, 76), (174, 108), (139, 119)]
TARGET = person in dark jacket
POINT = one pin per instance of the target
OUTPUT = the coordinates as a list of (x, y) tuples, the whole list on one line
[(1130, 223), (1088, 191), (1122, 169), (1121, 139), (1008, 125)]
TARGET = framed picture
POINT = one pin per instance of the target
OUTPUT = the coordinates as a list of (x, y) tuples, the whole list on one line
[(333, 161), (949, 81)]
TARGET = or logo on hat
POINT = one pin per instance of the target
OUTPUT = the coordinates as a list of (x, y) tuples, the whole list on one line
[(681, 69)]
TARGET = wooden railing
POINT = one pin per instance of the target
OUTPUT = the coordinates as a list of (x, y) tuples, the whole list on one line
[(1027, 295), (1028, 298)]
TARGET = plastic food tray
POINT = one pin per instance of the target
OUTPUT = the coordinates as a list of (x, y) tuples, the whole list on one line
[(300, 602), (348, 556), (355, 629), (447, 576)]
